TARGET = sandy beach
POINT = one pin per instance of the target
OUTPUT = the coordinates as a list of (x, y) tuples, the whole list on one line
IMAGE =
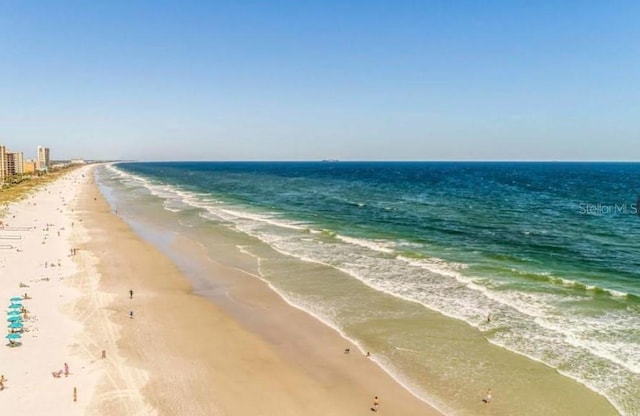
[(319, 208), (202, 362), (167, 351), (36, 260)]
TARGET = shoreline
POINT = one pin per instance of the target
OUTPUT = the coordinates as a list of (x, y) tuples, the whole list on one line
[(313, 376), (271, 330), (229, 344), (540, 389)]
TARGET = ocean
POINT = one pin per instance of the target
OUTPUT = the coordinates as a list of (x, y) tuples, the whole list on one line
[(456, 275)]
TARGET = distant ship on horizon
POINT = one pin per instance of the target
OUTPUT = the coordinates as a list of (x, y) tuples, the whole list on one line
[(330, 160)]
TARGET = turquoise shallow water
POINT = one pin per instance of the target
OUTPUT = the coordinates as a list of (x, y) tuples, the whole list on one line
[(548, 251)]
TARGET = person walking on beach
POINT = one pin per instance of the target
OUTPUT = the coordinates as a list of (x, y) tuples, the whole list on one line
[(487, 397), (131, 314), (376, 403), (130, 293), (66, 369)]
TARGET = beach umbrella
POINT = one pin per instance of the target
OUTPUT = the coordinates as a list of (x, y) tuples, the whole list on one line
[(15, 306), (15, 325), (13, 312), (13, 336), (16, 299), (14, 318)]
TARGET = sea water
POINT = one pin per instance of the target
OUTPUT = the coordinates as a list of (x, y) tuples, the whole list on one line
[(436, 267)]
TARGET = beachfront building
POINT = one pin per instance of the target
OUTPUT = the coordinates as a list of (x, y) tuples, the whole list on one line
[(42, 159), (3, 169), (14, 162), (11, 163)]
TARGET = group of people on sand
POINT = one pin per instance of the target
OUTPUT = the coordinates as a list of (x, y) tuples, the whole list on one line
[(376, 403)]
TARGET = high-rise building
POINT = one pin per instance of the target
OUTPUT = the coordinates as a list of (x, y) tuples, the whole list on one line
[(43, 158), (14, 163), (3, 163)]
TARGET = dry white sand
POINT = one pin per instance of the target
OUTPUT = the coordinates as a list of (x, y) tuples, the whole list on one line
[(35, 250)]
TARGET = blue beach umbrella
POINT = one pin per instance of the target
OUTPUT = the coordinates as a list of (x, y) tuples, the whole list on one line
[(15, 306), (15, 325), (13, 336), (14, 312), (14, 318), (16, 299)]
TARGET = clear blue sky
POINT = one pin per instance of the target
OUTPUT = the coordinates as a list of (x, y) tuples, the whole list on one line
[(306, 80)]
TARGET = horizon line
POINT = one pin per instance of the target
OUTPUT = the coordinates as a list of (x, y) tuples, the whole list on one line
[(366, 161)]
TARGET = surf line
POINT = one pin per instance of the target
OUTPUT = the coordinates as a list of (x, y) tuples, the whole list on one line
[(406, 349)]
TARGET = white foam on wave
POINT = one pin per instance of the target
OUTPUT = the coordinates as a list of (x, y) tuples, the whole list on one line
[(375, 245), (592, 288), (602, 336), (131, 179), (169, 208), (439, 266), (617, 293), (270, 219)]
